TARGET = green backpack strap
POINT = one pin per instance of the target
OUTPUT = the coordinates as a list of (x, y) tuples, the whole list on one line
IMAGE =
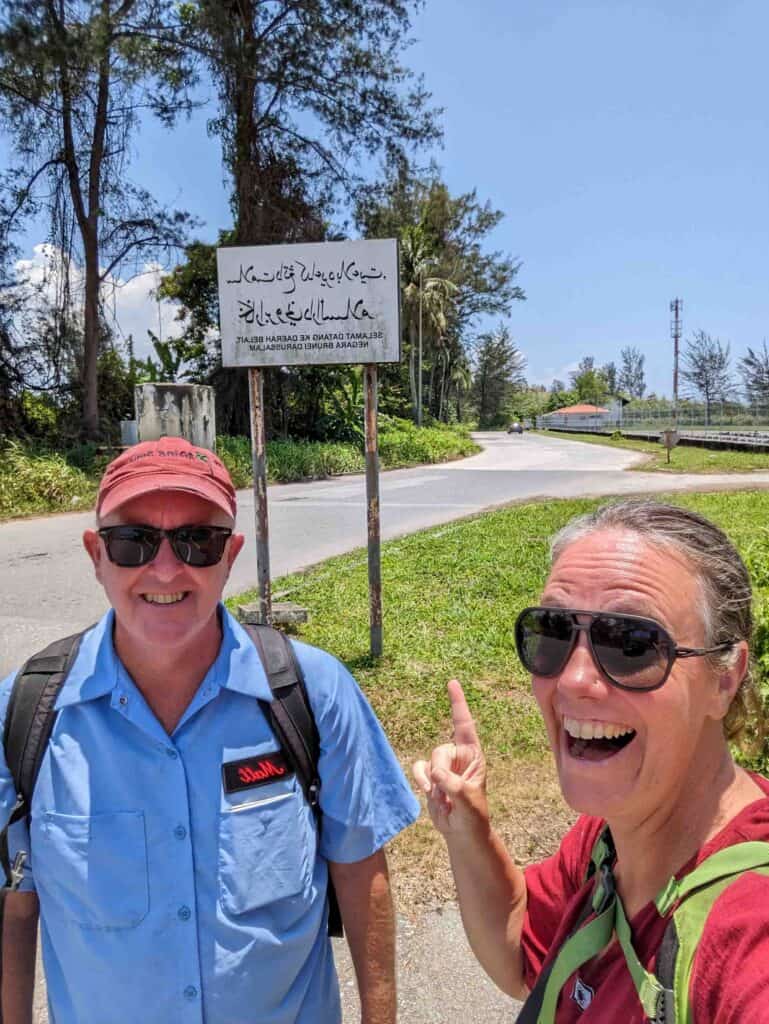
[(588, 940), (693, 898)]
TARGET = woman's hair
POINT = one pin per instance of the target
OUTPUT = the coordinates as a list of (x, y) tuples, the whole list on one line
[(724, 581)]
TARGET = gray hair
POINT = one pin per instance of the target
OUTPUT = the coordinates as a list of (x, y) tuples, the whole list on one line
[(726, 594)]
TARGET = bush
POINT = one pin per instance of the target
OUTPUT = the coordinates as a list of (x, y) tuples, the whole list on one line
[(40, 482), (400, 444)]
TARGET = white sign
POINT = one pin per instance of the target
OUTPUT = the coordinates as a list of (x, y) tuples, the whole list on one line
[(320, 302)]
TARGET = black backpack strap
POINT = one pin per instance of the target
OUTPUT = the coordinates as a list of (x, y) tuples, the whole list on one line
[(291, 718), (28, 724), (666, 971)]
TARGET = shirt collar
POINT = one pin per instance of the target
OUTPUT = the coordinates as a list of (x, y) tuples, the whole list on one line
[(97, 668)]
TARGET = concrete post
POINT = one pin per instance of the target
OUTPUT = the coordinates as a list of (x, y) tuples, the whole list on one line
[(176, 410)]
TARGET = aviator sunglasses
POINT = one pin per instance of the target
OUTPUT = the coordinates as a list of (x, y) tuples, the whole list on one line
[(632, 652), (131, 546)]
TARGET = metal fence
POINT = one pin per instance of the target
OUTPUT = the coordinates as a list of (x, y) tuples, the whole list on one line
[(721, 414)]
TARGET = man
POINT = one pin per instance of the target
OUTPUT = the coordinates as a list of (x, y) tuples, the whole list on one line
[(168, 890)]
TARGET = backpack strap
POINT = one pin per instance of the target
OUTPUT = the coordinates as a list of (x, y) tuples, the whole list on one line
[(693, 897), (586, 940), (28, 725), (292, 720), (602, 854)]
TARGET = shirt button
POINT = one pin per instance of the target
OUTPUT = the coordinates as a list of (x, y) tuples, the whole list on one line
[(122, 700), (190, 992), (184, 913), (171, 753), (180, 832)]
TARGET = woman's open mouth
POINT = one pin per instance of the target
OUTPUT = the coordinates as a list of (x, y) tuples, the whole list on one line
[(591, 740)]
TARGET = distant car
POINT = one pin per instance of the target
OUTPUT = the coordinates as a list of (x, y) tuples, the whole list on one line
[(515, 428)]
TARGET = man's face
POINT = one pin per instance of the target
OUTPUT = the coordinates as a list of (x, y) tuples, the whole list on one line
[(165, 603)]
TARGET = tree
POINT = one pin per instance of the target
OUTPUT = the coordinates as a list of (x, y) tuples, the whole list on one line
[(498, 375), (609, 373), (705, 369), (456, 230), (425, 295), (305, 91), (589, 383), (73, 77), (754, 370), (631, 375)]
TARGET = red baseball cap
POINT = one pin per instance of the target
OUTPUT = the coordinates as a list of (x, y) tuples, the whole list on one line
[(170, 464)]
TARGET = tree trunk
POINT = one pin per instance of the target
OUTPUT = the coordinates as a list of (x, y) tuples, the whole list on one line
[(412, 370), (91, 339)]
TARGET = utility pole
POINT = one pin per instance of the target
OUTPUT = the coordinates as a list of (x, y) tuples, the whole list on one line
[(675, 332)]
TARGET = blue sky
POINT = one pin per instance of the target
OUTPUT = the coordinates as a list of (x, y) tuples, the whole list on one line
[(626, 143)]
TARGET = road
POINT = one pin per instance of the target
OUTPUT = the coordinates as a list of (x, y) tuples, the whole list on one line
[(49, 591)]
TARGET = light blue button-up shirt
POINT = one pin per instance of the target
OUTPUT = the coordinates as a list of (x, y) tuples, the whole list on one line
[(164, 898)]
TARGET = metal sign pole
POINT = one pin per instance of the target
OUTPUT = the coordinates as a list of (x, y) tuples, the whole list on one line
[(259, 456), (372, 511)]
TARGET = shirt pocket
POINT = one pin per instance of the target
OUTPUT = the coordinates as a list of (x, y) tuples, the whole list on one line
[(264, 852), (94, 867)]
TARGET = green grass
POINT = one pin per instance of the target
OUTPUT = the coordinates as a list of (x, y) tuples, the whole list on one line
[(34, 481), (451, 595), (683, 459)]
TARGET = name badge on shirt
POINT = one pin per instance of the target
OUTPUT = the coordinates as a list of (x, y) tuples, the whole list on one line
[(257, 770)]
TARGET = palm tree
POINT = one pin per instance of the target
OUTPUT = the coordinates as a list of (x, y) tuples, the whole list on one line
[(425, 292)]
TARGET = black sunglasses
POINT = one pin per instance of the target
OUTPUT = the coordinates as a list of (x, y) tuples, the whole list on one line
[(632, 652), (131, 546)]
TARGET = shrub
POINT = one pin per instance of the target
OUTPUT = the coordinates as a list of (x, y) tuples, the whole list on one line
[(40, 482)]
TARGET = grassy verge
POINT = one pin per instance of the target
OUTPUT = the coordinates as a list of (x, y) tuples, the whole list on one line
[(400, 444), (451, 595), (34, 482), (683, 459)]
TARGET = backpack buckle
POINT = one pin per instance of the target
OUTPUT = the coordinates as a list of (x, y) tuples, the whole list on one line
[(605, 890), (17, 870), (313, 793)]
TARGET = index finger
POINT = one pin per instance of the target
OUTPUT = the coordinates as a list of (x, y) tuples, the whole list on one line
[(462, 720)]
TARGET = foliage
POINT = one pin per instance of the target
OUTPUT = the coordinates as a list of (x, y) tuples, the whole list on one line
[(34, 483), (609, 373), (705, 368), (449, 234), (589, 383), (631, 378), (400, 444), (72, 79), (172, 355), (498, 376), (288, 139), (754, 370)]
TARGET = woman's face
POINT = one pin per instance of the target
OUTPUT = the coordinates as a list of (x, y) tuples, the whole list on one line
[(675, 730)]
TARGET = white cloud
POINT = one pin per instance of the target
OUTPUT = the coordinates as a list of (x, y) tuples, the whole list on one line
[(129, 305)]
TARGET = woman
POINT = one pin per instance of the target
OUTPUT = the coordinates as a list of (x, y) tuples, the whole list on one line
[(639, 660)]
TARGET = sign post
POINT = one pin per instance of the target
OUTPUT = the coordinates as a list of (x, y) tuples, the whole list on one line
[(259, 463), (372, 512), (310, 304)]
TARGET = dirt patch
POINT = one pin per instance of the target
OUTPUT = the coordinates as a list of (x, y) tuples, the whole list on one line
[(527, 810)]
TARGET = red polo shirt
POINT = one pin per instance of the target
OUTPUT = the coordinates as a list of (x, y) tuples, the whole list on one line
[(730, 977)]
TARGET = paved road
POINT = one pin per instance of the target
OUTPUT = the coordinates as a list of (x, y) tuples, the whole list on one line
[(47, 591)]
